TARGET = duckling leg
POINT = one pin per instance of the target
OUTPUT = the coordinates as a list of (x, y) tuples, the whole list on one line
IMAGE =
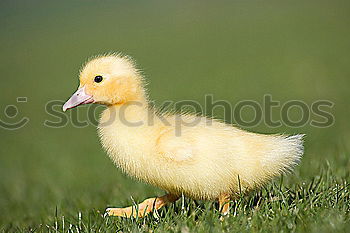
[(144, 208), (224, 204)]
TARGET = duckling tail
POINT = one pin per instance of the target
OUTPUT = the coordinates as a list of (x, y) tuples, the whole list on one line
[(284, 154), (268, 157)]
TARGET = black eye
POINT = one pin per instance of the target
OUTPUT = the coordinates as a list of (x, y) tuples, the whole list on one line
[(98, 79)]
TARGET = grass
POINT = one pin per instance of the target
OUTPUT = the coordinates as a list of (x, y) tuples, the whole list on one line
[(59, 179), (318, 205)]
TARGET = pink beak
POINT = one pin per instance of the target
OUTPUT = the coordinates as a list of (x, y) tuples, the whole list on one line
[(78, 98)]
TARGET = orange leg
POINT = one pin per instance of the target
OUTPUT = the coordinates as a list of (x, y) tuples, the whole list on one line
[(224, 204), (143, 208)]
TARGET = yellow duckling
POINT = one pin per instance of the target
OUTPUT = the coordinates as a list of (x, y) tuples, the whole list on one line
[(207, 160)]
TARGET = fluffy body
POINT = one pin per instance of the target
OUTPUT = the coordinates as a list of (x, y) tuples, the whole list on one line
[(206, 160)]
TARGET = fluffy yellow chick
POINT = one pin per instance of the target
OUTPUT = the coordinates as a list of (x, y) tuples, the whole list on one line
[(207, 160)]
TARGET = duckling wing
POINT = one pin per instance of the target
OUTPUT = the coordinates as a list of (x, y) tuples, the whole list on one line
[(174, 148)]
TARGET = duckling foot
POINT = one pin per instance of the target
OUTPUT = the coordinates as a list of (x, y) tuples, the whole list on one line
[(143, 208), (224, 205)]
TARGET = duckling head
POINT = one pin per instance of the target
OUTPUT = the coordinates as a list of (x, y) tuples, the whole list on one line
[(109, 80)]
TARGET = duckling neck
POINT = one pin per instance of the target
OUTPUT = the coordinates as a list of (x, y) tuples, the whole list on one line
[(128, 118), (130, 114), (126, 135)]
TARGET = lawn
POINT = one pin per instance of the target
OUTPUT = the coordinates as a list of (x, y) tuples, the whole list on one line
[(58, 179)]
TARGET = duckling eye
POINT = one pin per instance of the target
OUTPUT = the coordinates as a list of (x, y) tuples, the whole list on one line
[(98, 79)]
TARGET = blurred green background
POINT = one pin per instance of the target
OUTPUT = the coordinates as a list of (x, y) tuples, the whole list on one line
[(235, 50)]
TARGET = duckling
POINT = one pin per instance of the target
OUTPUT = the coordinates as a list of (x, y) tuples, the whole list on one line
[(208, 160)]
